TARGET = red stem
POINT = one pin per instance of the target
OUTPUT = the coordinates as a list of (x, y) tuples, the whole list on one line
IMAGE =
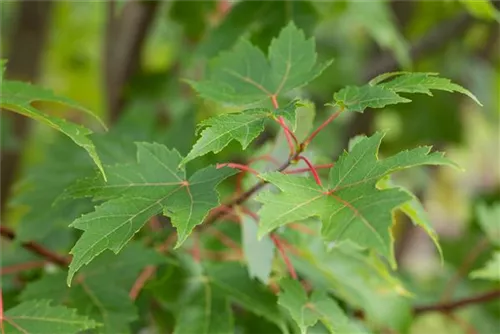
[(250, 213), (277, 242), (290, 137), (139, 283), (325, 123), (312, 169), (196, 248), (21, 266), (224, 239), (238, 166), (274, 101), (37, 248), (279, 245), (302, 170)]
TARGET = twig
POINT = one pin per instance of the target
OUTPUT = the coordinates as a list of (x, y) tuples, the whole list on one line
[(302, 170), (21, 267), (466, 327), (476, 250), (313, 170), (37, 249), (450, 306), (224, 239), (281, 249), (290, 137), (139, 283), (325, 123), (241, 167)]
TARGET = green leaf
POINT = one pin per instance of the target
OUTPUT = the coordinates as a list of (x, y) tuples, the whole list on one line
[(244, 75), (489, 220), (19, 97), (39, 317), (350, 206), (423, 83), (416, 212), (491, 271), (483, 9), (100, 299), (259, 254), (42, 185), (265, 18), (355, 98), (209, 312), (304, 119), (377, 19), (102, 293), (306, 311), (240, 17), (136, 192), (359, 278), (380, 93), (244, 127), (232, 279), (193, 16)]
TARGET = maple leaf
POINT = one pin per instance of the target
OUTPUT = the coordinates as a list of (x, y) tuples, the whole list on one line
[(490, 270), (350, 206), (209, 311), (244, 75), (135, 193), (243, 126), (306, 311), (19, 97), (102, 292), (378, 93), (38, 316)]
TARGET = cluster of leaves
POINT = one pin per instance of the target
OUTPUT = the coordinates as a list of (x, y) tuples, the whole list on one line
[(348, 214)]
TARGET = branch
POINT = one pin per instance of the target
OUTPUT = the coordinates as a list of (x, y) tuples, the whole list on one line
[(37, 249), (125, 37), (447, 307)]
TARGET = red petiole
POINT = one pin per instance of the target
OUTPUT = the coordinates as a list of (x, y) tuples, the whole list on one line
[(312, 169)]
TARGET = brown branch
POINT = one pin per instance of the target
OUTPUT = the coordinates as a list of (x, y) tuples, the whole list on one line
[(26, 47), (12, 269), (37, 249), (125, 36), (450, 306), (246, 195), (480, 246)]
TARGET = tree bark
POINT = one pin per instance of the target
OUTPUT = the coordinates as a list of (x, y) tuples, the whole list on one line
[(125, 37), (24, 63)]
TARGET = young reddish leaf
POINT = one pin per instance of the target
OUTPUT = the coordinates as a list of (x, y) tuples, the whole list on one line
[(244, 75), (135, 193), (350, 206)]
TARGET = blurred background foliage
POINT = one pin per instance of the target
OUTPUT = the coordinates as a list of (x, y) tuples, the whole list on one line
[(126, 61)]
